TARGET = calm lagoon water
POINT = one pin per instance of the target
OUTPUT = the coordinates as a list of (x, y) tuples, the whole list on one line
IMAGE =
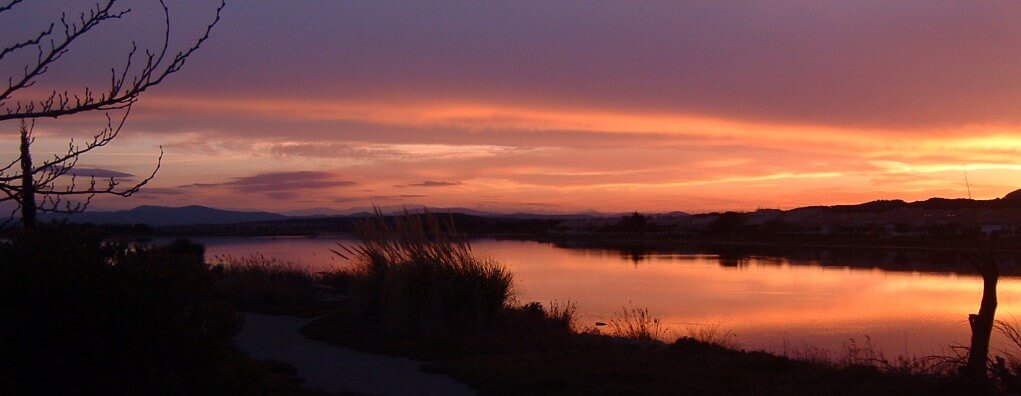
[(769, 303)]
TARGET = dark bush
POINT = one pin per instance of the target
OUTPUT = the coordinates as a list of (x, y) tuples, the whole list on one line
[(416, 276), (635, 222), (257, 283), (727, 223), (80, 316), (340, 281)]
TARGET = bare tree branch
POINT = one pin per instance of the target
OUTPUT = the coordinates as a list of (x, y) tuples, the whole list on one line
[(51, 186), (122, 92), (9, 5), (27, 43)]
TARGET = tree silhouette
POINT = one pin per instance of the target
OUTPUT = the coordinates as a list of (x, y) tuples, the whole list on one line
[(45, 187), (983, 322), (635, 222)]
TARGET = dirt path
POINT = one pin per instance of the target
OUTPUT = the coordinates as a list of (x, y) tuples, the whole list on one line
[(335, 369)]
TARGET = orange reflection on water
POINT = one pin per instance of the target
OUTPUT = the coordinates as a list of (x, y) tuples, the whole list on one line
[(768, 303)]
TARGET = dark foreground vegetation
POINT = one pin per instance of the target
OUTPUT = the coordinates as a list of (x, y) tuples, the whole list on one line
[(418, 291), (84, 316)]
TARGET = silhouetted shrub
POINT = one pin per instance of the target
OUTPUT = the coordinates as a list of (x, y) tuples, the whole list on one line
[(636, 324), (534, 317), (635, 222), (263, 284), (80, 316), (712, 333), (416, 276), (341, 281), (727, 223)]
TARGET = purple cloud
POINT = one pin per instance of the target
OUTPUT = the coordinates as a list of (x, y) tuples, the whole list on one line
[(378, 198), (278, 184), (98, 173)]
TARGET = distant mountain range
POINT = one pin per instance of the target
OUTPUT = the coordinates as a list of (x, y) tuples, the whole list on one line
[(397, 209), (159, 216), (163, 216), (1006, 209)]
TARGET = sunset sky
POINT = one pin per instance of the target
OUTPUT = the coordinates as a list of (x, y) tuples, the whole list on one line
[(558, 106)]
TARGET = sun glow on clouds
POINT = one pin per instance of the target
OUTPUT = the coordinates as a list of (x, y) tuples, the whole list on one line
[(672, 162), (485, 117), (410, 152), (687, 162), (609, 106)]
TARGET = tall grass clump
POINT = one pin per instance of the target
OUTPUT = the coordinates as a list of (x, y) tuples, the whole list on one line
[(1007, 368), (865, 354), (713, 333), (418, 275), (636, 324), (263, 284), (563, 314), (534, 318)]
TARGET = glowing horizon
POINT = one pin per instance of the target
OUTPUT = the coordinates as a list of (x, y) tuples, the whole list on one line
[(563, 108)]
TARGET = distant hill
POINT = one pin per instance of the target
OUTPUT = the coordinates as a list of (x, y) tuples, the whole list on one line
[(933, 216), (398, 209), (159, 216), (465, 223), (1006, 210), (163, 216), (932, 211)]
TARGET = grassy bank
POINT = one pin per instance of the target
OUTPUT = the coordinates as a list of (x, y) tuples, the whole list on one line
[(418, 291), (506, 361)]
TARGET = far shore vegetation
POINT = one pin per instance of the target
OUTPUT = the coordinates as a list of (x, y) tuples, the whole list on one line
[(88, 314), (89, 309), (417, 290)]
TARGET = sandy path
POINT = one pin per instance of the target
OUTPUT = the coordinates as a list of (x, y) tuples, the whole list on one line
[(335, 369)]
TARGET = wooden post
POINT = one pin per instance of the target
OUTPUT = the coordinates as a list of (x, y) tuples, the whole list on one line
[(982, 322)]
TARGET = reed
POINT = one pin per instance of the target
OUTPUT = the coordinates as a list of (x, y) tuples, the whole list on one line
[(1007, 367), (257, 283), (865, 353), (563, 314), (713, 333), (416, 274), (636, 324)]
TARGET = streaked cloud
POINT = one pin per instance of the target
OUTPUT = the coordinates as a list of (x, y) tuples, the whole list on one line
[(611, 106), (431, 183), (278, 182), (98, 173)]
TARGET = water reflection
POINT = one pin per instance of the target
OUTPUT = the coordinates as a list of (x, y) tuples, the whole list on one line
[(904, 259), (771, 301)]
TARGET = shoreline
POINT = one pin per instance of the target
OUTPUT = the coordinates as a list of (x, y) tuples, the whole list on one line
[(615, 242)]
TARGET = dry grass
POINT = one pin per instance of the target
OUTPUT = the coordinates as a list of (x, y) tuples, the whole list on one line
[(636, 324), (806, 352), (713, 333), (1011, 330), (257, 282), (861, 354), (562, 316), (416, 274), (341, 281), (866, 354), (1007, 368), (563, 313)]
